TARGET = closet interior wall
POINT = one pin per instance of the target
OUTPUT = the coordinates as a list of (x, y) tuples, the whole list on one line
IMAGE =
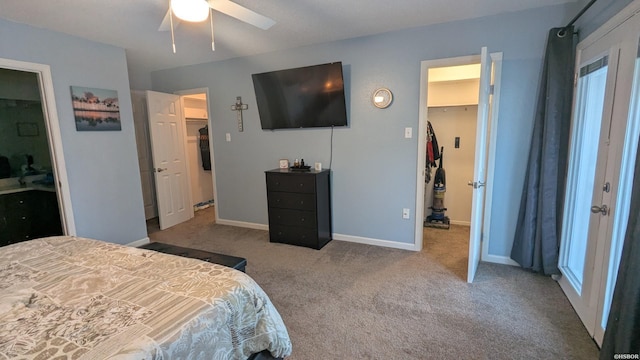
[(196, 116), (449, 123)]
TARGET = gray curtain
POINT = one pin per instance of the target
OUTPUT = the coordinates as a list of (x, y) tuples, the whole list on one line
[(623, 327), (537, 237)]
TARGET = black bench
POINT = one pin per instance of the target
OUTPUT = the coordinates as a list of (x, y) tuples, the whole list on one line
[(235, 262)]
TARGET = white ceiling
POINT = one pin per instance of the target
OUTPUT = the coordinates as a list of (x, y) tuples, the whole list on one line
[(133, 24)]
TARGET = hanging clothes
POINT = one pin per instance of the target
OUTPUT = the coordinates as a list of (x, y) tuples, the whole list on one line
[(433, 151), (205, 154)]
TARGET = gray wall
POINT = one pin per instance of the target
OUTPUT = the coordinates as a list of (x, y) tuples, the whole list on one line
[(598, 14), (102, 166), (374, 167)]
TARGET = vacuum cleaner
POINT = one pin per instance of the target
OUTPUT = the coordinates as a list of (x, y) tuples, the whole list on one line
[(438, 219)]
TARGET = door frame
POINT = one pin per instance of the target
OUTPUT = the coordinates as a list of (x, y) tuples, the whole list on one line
[(216, 203), (54, 137), (425, 65), (137, 97)]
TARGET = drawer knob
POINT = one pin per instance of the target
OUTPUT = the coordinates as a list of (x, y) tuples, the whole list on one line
[(24, 218), (302, 219), (21, 201), (301, 202), (301, 184)]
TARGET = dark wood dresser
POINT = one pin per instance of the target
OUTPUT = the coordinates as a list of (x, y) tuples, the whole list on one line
[(299, 207)]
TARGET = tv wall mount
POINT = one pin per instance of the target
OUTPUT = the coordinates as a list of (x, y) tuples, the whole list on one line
[(238, 107)]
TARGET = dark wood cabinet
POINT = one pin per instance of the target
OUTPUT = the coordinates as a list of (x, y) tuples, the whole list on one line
[(26, 215), (4, 224), (47, 218), (299, 207)]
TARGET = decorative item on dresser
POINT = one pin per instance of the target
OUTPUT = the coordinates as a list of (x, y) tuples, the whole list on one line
[(299, 207)]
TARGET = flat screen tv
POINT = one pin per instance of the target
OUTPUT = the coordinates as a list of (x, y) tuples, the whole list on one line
[(305, 97)]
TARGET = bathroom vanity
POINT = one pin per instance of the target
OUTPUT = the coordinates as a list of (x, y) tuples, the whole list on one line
[(28, 212)]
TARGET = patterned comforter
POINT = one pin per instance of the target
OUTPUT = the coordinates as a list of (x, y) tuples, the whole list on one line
[(73, 298)]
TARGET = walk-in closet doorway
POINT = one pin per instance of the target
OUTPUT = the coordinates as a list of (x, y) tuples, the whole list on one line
[(193, 186), (459, 99)]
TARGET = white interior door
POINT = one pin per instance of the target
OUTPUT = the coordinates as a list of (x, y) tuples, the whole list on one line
[(166, 125), (480, 166)]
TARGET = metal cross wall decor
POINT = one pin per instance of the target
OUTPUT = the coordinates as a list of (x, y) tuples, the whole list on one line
[(239, 106)]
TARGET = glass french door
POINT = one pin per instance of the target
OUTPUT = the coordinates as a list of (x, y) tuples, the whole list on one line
[(587, 167), (604, 139), (623, 201)]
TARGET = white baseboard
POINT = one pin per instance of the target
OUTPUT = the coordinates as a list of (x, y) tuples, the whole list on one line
[(339, 237), (375, 242), (139, 243), (498, 259), (243, 224), (460, 222)]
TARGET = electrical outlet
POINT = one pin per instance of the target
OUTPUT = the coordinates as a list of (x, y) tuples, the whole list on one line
[(228, 137), (408, 133), (405, 213)]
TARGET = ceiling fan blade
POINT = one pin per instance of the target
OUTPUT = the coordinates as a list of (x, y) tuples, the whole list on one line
[(166, 23), (241, 13)]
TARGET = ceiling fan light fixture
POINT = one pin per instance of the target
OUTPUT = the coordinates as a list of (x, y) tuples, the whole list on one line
[(190, 10)]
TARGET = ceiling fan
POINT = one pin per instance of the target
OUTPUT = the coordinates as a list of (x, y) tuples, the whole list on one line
[(199, 10)]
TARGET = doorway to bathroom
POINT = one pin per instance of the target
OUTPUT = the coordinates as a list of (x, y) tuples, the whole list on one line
[(34, 196)]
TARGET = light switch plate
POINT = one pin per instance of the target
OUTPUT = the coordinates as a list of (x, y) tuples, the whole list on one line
[(408, 133), (228, 137)]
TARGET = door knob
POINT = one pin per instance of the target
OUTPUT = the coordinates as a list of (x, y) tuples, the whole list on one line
[(161, 169), (604, 209)]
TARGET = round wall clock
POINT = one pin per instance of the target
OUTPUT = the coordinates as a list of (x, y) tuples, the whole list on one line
[(382, 98)]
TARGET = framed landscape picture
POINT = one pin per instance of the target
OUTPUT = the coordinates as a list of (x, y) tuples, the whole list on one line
[(95, 109)]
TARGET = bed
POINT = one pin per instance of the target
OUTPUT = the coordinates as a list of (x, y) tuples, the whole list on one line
[(74, 298)]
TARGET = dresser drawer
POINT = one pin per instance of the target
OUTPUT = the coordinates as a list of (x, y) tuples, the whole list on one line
[(293, 217), (20, 230), (293, 235), (17, 203), (277, 199), (298, 183)]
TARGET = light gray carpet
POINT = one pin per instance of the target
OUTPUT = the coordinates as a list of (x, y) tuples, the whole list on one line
[(354, 301)]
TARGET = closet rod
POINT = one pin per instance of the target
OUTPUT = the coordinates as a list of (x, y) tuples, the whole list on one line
[(562, 32)]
